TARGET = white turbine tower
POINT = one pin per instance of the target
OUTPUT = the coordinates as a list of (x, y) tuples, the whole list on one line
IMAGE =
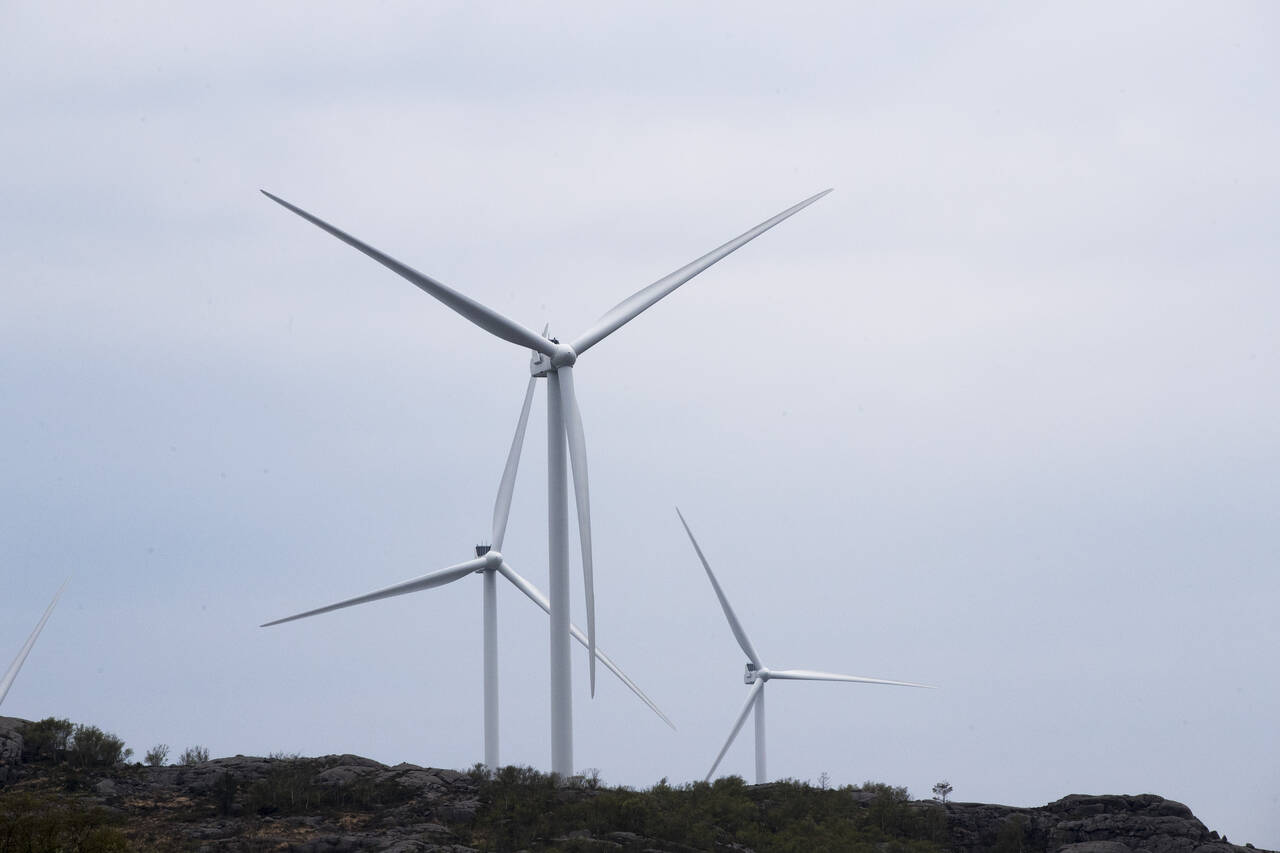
[(12, 673), (757, 674), (564, 422), (489, 562)]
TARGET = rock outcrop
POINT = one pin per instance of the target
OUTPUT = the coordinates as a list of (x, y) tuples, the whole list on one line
[(1083, 824)]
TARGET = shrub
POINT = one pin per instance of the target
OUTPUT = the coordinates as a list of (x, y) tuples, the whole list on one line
[(47, 739), (193, 755), (90, 746), (158, 755)]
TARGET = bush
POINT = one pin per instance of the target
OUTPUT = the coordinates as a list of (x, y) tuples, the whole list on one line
[(194, 755), (47, 739), (42, 823), (90, 746), (158, 755)]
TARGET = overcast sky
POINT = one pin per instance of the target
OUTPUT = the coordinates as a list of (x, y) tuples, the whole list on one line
[(999, 414)]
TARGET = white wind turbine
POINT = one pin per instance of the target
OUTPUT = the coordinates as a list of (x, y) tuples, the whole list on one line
[(489, 562), (12, 672), (564, 421), (757, 673)]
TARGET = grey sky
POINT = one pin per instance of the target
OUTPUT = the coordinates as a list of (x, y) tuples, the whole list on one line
[(999, 414)]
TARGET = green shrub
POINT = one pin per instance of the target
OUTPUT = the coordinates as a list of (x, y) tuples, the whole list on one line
[(193, 755), (92, 747), (42, 823), (46, 740), (157, 755)]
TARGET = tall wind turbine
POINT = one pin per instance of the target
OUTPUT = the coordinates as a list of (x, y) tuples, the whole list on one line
[(489, 563), (12, 672), (757, 673), (564, 423)]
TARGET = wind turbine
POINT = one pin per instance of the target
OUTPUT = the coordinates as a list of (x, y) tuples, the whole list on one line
[(489, 563), (757, 673), (564, 422), (12, 672)]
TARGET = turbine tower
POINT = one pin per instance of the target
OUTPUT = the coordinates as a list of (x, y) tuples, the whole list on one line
[(12, 672), (489, 563), (564, 423), (757, 674)]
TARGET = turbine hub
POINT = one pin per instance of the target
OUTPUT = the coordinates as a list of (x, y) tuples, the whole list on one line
[(564, 357), (492, 559)]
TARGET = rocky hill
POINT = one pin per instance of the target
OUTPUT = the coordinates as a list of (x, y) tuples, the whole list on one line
[(341, 803)]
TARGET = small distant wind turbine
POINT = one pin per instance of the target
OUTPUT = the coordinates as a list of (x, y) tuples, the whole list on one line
[(12, 672), (564, 422), (757, 673), (489, 562)]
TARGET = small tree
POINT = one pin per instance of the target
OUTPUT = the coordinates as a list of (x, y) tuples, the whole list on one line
[(194, 755), (158, 754), (942, 790), (47, 740), (90, 746)]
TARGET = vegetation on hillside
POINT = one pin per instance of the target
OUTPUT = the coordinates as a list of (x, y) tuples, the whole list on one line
[(525, 809)]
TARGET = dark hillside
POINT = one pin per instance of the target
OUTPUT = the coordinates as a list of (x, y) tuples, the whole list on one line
[(69, 788)]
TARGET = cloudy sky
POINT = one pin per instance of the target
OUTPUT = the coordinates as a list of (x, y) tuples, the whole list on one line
[(999, 414)]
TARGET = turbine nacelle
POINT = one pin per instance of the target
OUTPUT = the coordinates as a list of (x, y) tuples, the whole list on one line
[(755, 673)]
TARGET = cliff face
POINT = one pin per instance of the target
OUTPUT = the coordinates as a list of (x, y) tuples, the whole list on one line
[(342, 803), (1083, 824)]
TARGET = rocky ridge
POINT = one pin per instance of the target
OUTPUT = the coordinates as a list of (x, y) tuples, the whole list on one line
[(341, 803)]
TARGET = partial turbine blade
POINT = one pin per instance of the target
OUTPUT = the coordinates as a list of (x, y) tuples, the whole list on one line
[(486, 318), (434, 579), (535, 595), (581, 493), (631, 307), (502, 506), (811, 675), (737, 726), (734, 624), (12, 673)]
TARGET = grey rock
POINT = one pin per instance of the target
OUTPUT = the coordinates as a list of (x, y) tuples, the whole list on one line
[(345, 774), (11, 740)]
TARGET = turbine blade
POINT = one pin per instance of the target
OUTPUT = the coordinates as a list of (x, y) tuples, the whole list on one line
[(434, 579), (502, 506), (581, 493), (631, 307), (535, 595), (752, 695), (812, 675), (12, 673), (734, 624), (486, 318)]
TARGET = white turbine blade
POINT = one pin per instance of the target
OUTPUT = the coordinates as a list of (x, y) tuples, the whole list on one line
[(434, 579), (811, 675), (737, 726), (12, 672), (486, 318), (734, 624), (536, 596), (581, 493), (502, 506), (631, 307)]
